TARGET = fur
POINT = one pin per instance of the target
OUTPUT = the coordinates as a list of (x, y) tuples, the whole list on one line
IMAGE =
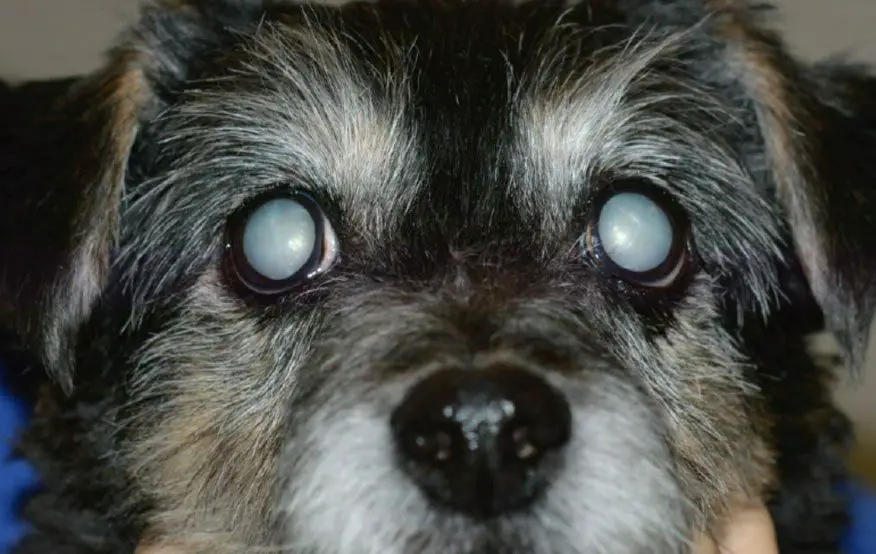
[(459, 151)]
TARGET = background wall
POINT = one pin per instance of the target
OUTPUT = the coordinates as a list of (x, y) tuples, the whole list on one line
[(41, 38)]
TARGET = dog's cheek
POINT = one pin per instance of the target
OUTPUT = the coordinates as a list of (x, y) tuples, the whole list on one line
[(715, 418), (214, 388)]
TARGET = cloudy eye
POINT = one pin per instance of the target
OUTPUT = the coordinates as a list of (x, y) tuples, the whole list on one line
[(636, 238), (278, 242)]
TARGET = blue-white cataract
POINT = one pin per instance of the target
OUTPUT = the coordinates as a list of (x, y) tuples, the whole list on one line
[(279, 238), (635, 232)]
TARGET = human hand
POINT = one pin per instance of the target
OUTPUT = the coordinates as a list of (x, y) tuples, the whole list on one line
[(749, 531)]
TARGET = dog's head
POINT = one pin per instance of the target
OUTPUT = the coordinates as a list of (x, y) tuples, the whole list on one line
[(452, 277)]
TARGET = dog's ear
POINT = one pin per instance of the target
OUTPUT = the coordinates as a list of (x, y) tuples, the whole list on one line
[(64, 152), (817, 157), (841, 207)]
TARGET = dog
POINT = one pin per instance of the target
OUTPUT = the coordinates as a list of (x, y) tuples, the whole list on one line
[(543, 281)]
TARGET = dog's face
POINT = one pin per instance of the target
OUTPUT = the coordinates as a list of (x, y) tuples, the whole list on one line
[(446, 278)]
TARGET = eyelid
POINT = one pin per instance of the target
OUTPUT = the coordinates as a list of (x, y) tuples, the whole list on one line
[(330, 248)]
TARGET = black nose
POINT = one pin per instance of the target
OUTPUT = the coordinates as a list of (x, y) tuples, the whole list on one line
[(482, 442)]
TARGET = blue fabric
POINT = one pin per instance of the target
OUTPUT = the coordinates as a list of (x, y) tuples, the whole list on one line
[(16, 478), (862, 535)]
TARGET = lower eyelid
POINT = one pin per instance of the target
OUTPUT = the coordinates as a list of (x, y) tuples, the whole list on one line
[(331, 247), (671, 277)]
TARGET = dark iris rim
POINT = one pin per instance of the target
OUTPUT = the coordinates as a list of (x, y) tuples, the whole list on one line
[(240, 267), (680, 253)]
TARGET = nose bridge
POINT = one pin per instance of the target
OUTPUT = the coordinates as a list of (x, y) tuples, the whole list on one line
[(500, 317), (476, 309), (460, 280), (491, 275)]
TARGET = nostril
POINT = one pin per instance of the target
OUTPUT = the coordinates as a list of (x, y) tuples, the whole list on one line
[(427, 445), (437, 447), (479, 441), (545, 432), (525, 448)]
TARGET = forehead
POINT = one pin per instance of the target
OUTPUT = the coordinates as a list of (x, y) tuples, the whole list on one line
[(467, 121), (379, 104)]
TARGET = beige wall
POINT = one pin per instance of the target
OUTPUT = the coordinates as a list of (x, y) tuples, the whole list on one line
[(51, 37)]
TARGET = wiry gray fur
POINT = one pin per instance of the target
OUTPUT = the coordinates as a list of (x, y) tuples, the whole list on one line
[(301, 109), (459, 156)]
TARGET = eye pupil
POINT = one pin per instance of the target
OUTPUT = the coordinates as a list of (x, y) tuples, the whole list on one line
[(639, 236), (277, 242), (635, 232), (280, 238)]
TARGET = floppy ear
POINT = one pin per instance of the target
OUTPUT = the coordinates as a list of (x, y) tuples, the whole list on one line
[(843, 204), (64, 152), (817, 131)]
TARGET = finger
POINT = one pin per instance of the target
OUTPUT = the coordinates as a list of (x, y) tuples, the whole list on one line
[(751, 531), (704, 544)]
